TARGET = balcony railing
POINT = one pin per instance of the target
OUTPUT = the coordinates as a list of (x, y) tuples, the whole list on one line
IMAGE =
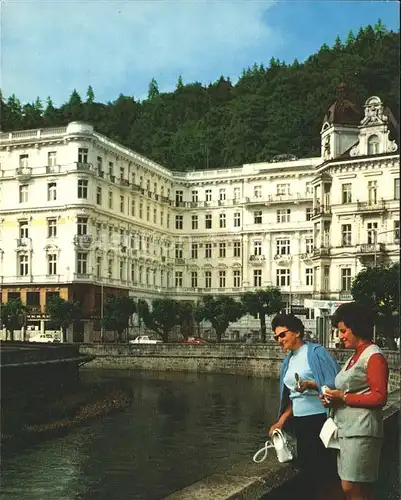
[(371, 248), (257, 258), (282, 259), (124, 182), (180, 262), (83, 166), (23, 173), (366, 206), (321, 252), (322, 210), (83, 240)]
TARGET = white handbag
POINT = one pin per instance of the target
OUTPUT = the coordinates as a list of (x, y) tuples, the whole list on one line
[(329, 434), (283, 443)]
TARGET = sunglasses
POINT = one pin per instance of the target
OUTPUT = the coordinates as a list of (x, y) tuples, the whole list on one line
[(281, 335)]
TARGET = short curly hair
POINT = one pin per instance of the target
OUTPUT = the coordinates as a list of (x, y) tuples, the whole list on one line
[(356, 316), (289, 321)]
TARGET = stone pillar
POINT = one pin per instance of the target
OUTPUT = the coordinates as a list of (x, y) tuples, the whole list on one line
[(42, 326)]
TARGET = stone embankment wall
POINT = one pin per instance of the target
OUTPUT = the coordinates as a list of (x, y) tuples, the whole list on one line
[(259, 360)]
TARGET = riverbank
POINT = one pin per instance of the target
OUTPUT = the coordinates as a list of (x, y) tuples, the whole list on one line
[(41, 416)]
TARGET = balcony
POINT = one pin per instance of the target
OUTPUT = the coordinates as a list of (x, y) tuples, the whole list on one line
[(84, 167), (23, 242), (23, 173), (323, 210), (83, 241), (124, 182), (53, 169), (345, 295), (136, 187), (100, 173), (180, 262), (371, 248), (282, 259), (369, 207), (257, 259), (82, 277), (306, 257), (321, 252)]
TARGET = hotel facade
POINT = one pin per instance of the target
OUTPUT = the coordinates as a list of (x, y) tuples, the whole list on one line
[(83, 217)]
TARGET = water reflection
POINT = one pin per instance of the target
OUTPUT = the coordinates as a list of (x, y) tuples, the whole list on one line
[(180, 428)]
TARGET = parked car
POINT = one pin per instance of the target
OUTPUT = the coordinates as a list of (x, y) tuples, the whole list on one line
[(144, 339), (43, 337), (194, 341)]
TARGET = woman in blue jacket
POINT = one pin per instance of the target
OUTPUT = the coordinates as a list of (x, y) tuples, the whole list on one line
[(306, 368)]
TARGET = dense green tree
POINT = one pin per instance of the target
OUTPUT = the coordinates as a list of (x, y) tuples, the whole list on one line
[(180, 84), (63, 313), (12, 316), (219, 311), (117, 314), (379, 287), (153, 90), (90, 95), (262, 303), (163, 316)]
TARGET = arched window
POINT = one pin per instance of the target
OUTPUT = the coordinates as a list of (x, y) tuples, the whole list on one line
[(373, 145)]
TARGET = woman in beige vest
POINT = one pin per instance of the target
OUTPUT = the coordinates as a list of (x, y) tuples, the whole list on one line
[(360, 394)]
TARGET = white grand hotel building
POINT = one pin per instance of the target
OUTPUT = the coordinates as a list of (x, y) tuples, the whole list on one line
[(84, 217)]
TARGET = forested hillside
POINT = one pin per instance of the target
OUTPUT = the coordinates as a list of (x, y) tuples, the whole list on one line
[(270, 110)]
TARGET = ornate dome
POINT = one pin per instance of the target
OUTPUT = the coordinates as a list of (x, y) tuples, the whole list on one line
[(343, 111)]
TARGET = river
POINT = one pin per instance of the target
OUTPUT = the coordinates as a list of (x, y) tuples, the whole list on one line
[(181, 427)]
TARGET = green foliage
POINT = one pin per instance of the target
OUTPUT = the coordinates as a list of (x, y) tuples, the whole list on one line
[(257, 118), (263, 303), (163, 316), (117, 314), (12, 316), (219, 311), (379, 287), (63, 313), (90, 95)]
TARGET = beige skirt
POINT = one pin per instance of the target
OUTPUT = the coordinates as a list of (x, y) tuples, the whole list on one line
[(358, 459)]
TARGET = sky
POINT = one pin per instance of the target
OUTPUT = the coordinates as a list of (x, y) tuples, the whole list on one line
[(51, 47)]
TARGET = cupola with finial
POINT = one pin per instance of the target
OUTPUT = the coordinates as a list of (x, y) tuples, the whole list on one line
[(340, 125)]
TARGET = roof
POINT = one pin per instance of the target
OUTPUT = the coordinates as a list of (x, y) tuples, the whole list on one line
[(343, 111)]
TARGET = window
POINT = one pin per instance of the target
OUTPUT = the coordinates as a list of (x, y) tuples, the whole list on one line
[(346, 235), (82, 225), (122, 173), (178, 251), (178, 221), (111, 171), (309, 276), (309, 245), (237, 193), (257, 247), (51, 158), (257, 217), (236, 278), (52, 264), (222, 279), (140, 210), (98, 230), (23, 264), (194, 279), (178, 279), (133, 207), (98, 195), (257, 277), (372, 192), (208, 221), (99, 166), (82, 263), (222, 194), (309, 213), (161, 217), (147, 213), (208, 250), (154, 216), (397, 230), (194, 251), (98, 266), (82, 189), (208, 279), (121, 204), (237, 249), (208, 195), (122, 265), (397, 188), (284, 215), (372, 231), (282, 277), (51, 228), (222, 250), (178, 197), (282, 189), (23, 161), (346, 193), (110, 268), (195, 196), (168, 221), (51, 191), (309, 189), (222, 220), (257, 191), (111, 199), (373, 145), (237, 219), (82, 155), (23, 193), (23, 229), (346, 279), (194, 222), (283, 246)]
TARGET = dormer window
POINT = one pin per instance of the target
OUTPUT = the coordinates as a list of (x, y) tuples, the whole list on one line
[(373, 145)]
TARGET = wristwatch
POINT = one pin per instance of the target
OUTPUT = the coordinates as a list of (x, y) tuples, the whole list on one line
[(344, 398)]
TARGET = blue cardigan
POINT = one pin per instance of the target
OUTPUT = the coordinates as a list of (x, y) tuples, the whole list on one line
[(323, 366)]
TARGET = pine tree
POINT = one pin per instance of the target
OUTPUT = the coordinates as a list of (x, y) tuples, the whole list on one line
[(380, 28), (350, 38), (75, 99), (180, 83), (337, 44), (90, 95), (153, 89)]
